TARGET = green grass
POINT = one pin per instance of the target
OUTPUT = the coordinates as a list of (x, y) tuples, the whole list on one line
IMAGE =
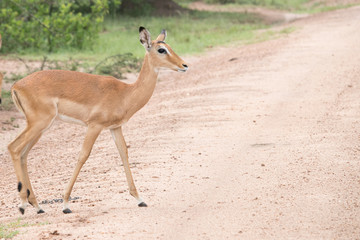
[(10, 230), (290, 5), (299, 6), (274, 4), (187, 34), (318, 8), (270, 34), (6, 101)]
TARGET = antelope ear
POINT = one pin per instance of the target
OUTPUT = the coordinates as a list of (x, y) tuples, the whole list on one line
[(162, 36), (145, 38)]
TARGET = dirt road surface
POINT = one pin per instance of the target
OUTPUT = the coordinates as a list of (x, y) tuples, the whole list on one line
[(253, 142)]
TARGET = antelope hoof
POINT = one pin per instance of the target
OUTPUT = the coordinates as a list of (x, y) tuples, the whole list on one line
[(142, 204), (40, 211), (67, 210), (22, 210)]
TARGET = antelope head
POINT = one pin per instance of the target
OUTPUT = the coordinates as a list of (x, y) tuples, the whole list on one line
[(161, 54)]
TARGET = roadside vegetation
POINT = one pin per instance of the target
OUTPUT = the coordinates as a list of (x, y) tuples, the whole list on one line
[(276, 4), (300, 6), (189, 33), (11, 229)]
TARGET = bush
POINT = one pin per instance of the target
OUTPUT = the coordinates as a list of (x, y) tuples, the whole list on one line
[(49, 24), (136, 8), (117, 65)]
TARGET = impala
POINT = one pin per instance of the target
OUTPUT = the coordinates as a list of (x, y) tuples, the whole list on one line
[(97, 102)]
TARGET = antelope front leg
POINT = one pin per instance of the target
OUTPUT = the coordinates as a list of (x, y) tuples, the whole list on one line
[(91, 135), (121, 146)]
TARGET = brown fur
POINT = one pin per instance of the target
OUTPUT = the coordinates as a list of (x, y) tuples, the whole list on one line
[(99, 102)]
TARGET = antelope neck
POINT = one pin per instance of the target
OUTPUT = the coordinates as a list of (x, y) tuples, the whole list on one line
[(144, 86)]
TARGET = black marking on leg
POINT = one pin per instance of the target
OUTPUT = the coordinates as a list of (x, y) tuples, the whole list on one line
[(67, 210), (58, 200), (31, 203), (28, 192), (22, 210), (142, 204), (19, 186), (40, 211)]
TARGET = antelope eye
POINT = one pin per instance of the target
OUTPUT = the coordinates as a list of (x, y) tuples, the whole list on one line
[(162, 51)]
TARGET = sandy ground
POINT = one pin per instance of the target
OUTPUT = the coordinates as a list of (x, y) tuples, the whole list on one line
[(254, 142)]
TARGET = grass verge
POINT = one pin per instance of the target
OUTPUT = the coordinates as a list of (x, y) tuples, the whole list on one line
[(301, 6), (274, 4), (189, 33), (10, 230), (6, 101)]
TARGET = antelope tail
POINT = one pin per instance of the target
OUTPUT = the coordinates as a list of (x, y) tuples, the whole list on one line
[(16, 101)]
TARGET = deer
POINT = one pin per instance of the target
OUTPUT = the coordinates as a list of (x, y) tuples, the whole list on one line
[(95, 101)]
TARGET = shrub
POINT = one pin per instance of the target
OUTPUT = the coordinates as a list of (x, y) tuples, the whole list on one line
[(50, 24)]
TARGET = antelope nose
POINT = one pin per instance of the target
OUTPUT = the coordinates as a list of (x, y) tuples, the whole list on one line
[(185, 66)]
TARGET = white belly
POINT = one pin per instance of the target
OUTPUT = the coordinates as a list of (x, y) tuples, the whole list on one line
[(70, 119)]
